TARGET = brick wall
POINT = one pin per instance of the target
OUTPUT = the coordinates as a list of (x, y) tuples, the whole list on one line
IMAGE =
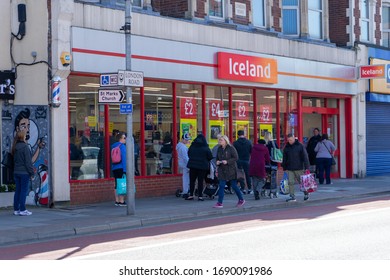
[(277, 15), (378, 20), (171, 8), (200, 8), (338, 22), (94, 191), (240, 19)]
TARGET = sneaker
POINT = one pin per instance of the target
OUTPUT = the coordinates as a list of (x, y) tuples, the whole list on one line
[(25, 213), (257, 196), (240, 203), (249, 192), (292, 199), (243, 191), (117, 203), (122, 204), (306, 197), (218, 205), (16, 213)]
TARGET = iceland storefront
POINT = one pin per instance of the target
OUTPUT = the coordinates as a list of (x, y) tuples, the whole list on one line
[(195, 88)]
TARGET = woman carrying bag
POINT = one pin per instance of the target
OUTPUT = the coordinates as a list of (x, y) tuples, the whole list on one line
[(325, 151)]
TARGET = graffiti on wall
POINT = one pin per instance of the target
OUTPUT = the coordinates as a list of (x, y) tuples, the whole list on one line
[(33, 119)]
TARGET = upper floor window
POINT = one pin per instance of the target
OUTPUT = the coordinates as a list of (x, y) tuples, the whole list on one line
[(315, 19), (290, 17), (258, 10), (216, 8), (386, 26), (365, 20), (138, 3)]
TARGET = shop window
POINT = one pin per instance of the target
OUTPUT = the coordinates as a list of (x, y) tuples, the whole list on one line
[(158, 128), (216, 8), (266, 113), (386, 26), (315, 19), (313, 102), (288, 110), (365, 20), (290, 17), (242, 112), (258, 10), (217, 113), (86, 131)]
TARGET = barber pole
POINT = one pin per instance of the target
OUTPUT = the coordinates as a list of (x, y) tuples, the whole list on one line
[(55, 91)]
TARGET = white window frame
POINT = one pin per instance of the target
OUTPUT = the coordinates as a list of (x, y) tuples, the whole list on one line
[(254, 14), (141, 4), (223, 10), (297, 8), (365, 21), (319, 12), (387, 45)]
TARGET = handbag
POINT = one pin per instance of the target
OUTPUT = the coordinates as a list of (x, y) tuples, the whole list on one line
[(284, 184), (308, 183), (333, 160), (276, 154), (8, 160), (121, 185)]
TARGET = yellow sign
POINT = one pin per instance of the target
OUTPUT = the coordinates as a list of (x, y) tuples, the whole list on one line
[(188, 126), (380, 85), (263, 129), (216, 128), (242, 125)]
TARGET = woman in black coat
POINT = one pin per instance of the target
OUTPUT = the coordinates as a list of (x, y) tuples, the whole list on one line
[(199, 155)]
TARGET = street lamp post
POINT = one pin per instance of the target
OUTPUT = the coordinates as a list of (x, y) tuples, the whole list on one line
[(129, 119)]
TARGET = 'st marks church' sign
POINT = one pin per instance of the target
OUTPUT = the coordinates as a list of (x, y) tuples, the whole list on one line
[(7, 85)]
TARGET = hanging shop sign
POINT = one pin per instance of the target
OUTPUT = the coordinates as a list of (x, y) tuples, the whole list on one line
[(188, 109), (247, 68), (7, 85)]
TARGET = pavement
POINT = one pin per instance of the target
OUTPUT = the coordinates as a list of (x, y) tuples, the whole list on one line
[(66, 221)]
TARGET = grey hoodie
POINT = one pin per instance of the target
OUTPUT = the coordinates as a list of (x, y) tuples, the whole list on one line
[(22, 159)]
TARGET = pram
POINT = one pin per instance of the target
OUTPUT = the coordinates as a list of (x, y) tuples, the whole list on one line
[(212, 183), (270, 188)]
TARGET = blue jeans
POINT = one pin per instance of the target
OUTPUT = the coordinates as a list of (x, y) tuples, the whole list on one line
[(324, 164), (21, 182), (233, 185)]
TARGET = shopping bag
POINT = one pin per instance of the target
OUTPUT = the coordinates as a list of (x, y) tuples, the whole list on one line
[(284, 184), (308, 183), (121, 185), (276, 154)]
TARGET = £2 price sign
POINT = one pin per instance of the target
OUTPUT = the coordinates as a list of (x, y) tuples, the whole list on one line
[(265, 114), (188, 108), (242, 112)]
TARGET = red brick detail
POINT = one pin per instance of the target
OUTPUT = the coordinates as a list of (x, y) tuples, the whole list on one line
[(200, 9), (338, 22), (240, 19), (276, 11), (171, 8), (94, 191)]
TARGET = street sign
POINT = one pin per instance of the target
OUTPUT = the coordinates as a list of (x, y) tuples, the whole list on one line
[(109, 80), (130, 78), (126, 108), (111, 95)]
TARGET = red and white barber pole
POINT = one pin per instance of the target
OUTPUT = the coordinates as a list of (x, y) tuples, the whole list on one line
[(55, 91)]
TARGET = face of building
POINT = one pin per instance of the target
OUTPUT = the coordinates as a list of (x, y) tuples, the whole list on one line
[(213, 67)]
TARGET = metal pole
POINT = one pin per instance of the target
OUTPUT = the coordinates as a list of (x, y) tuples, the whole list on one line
[(129, 119)]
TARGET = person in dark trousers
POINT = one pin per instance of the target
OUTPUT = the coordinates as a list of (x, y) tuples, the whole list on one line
[(199, 156), (226, 162), (272, 169), (325, 151), (119, 169), (23, 172), (295, 162), (259, 159), (311, 146), (244, 148)]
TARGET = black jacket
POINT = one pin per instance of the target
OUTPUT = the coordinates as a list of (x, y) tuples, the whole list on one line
[(244, 148), (227, 171), (310, 148), (199, 154), (295, 157)]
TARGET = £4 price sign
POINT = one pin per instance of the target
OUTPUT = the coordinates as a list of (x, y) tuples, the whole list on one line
[(215, 107), (265, 114), (188, 108)]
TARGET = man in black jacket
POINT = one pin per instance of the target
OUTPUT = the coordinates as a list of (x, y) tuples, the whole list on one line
[(244, 149), (295, 162)]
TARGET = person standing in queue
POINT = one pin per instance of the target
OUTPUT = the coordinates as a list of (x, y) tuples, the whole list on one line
[(119, 169), (226, 161)]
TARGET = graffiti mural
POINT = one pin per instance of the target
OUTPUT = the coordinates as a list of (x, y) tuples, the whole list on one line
[(33, 119)]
